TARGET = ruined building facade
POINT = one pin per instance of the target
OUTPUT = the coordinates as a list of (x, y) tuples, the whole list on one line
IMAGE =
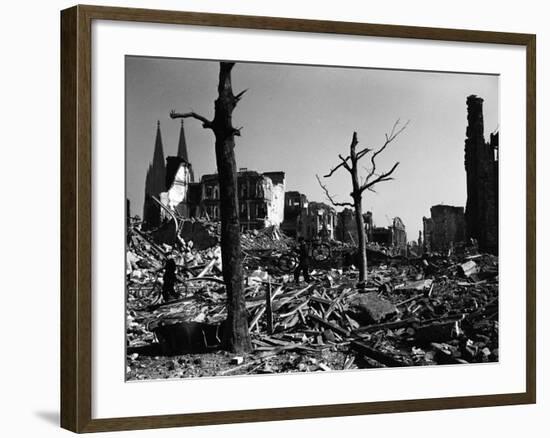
[(393, 236), (481, 163), (154, 184), (295, 203), (261, 198), (444, 229), (317, 220)]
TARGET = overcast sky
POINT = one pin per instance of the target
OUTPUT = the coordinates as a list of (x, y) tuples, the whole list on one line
[(299, 118)]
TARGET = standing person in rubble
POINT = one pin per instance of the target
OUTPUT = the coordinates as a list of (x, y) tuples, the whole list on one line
[(303, 261), (169, 279)]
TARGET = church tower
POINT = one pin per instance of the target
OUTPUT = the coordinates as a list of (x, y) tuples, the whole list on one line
[(182, 151), (154, 184)]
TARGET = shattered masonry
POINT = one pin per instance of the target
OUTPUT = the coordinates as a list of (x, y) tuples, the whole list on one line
[(481, 163)]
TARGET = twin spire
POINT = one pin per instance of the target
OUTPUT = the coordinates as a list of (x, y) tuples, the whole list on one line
[(158, 154)]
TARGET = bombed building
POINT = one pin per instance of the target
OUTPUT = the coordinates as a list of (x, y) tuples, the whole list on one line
[(444, 229), (481, 163), (317, 220), (394, 235), (261, 198), (346, 228), (295, 202), (172, 183)]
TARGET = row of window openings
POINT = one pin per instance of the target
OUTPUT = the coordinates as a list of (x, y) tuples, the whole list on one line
[(254, 212), (212, 192)]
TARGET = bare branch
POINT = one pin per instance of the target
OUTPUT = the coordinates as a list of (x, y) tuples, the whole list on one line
[(330, 198), (205, 122), (240, 95), (344, 162), (389, 138), (363, 152), (381, 178)]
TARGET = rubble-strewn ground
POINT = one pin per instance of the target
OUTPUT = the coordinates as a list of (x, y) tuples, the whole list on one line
[(412, 311)]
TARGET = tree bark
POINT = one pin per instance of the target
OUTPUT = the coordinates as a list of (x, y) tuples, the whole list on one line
[(357, 196), (362, 244), (237, 338)]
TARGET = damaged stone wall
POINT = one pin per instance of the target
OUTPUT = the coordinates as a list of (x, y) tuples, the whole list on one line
[(445, 228), (481, 163)]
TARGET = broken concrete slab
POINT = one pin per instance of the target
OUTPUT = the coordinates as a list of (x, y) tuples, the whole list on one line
[(371, 308)]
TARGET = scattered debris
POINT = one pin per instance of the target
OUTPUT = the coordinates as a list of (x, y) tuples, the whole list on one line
[(401, 316)]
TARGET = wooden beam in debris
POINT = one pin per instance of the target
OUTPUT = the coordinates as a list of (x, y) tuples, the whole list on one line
[(327, 324), (360, 347), (378, 356), (268, 310)]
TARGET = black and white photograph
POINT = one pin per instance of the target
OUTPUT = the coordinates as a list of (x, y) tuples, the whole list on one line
[(287, 218)]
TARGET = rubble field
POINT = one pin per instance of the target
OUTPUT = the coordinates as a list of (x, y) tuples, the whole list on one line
[(430, 310)]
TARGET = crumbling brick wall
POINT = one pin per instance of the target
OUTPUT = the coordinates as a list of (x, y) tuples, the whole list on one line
[(481, 163)]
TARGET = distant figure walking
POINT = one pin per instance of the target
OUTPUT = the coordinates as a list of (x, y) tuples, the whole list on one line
[(169, 279), (303, 261)]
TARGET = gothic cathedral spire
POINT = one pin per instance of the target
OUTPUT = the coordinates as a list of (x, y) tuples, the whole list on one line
[(154, 184)]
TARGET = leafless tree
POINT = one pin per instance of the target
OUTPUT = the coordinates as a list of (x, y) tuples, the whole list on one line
[(237, 338), (351, 163)]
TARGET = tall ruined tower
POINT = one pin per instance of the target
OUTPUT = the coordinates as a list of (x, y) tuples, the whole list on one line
[(480, 161), (154, 184)]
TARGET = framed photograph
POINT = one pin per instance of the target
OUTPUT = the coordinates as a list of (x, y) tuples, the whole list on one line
[(269, 219)]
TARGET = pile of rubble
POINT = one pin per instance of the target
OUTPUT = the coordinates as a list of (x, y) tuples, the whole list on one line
[(422, 311)]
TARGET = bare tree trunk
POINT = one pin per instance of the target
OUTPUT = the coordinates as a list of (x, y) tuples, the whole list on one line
[(350, 163), (360, 223), (237, 337), (357, 196)]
